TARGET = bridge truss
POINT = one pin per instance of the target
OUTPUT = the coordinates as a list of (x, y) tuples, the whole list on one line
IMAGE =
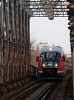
[(56, 8)]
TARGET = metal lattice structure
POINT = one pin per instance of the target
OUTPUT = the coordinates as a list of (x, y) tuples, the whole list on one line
[(14, 41), (36, 6)]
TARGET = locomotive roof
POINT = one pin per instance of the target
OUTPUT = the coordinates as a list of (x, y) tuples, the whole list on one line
[(51, 49)]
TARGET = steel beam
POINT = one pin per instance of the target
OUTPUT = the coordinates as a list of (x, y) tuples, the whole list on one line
[(73, 73), (38, 9)]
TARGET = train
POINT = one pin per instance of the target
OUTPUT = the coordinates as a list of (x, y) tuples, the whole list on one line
[(52, 62)]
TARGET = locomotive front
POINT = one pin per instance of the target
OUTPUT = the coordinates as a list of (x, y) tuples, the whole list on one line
[(49, 62)]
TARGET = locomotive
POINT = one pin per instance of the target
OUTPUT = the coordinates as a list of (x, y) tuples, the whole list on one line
[(51, 62)]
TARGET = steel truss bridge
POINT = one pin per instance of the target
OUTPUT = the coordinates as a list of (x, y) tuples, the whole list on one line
[(47, 8)]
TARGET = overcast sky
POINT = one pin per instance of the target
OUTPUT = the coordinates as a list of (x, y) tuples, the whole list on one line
[(52, 31)]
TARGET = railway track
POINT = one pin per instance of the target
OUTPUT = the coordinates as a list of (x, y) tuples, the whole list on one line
[(48, 91), (40, 93), (25, 91)]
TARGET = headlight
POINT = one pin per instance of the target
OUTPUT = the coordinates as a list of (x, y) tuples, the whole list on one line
[(56, 65), (43, 64)]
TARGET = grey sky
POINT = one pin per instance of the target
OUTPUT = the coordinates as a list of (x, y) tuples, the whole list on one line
[(52, 31)]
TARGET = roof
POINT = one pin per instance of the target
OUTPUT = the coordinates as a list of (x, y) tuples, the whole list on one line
[(51, 49)]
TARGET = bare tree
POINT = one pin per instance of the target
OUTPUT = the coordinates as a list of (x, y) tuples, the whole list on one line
[(32, 43)]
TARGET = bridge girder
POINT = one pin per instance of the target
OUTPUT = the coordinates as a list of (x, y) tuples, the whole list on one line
[(38, 10)]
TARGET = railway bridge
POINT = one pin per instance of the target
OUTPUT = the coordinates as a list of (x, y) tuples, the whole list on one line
[(15, 34)]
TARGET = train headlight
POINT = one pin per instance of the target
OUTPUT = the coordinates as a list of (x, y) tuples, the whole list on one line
[(56, 65), (43, 64)]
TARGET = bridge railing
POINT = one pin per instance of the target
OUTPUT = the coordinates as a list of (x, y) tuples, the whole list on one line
[(14, 41)]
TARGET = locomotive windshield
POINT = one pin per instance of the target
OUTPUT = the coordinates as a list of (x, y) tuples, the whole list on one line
[(50, 57)]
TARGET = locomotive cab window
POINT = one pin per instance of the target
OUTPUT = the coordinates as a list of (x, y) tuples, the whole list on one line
[(50, 57)]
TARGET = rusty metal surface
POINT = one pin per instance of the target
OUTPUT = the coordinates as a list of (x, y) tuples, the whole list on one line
[(14, 41)]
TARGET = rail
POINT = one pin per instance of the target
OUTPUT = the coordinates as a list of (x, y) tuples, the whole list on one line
[(47, 92), (25, 92)]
